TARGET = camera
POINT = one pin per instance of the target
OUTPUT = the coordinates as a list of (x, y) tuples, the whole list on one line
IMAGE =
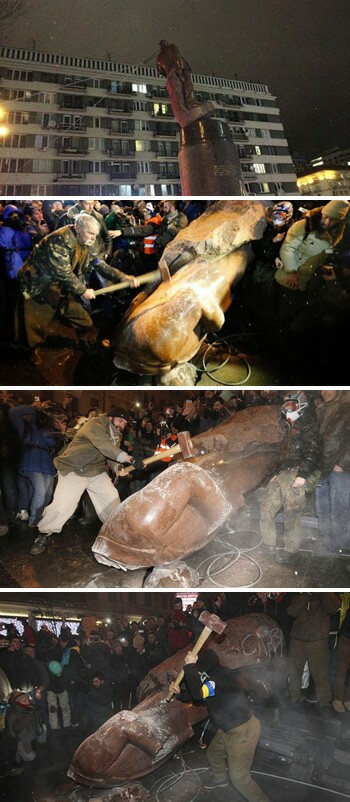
[(164, 429)]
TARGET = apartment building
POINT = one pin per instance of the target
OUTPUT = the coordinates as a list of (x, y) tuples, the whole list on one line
[(80, 126)]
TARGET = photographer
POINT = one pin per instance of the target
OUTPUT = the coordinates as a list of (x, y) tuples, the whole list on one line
[(178, 628), (36, 226)]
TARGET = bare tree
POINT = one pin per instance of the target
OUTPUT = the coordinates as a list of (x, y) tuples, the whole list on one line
[(11, 9)]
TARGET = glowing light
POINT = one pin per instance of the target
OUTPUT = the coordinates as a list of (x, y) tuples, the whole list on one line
[(322, 175), (4, 130)]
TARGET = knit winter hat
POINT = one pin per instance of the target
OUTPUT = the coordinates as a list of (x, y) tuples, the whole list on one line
[(15, 697), (336, 209), (118, 412)]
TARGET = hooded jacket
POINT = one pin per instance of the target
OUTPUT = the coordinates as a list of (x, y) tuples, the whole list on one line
[(15, 245), (220, 690), (96, 443), (304, 247)]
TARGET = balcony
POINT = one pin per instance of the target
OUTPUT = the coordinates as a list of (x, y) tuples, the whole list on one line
[(71, 127), (129, 175), (73, 87), (118, 110), (163, 116), (72, 105), (165, 133), (114, 154), (239, 137), (70, 177), (67, 151), (112, 131)]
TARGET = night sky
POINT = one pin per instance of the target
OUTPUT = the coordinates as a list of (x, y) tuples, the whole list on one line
[(300, 48)]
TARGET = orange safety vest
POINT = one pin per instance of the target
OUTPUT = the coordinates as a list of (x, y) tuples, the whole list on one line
[(164, 446), (148, 242)]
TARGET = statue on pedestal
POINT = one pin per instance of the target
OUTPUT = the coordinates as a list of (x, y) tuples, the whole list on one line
[(184, 104)]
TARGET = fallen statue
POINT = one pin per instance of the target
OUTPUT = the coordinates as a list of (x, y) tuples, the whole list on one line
[(179, 512), (134, 742), (165, 329)]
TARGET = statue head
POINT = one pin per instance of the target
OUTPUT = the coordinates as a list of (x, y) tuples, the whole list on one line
[(163, 43)]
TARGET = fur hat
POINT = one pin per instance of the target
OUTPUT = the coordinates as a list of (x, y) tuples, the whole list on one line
[(336, 209)]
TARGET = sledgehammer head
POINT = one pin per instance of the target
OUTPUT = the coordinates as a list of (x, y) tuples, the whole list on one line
[(163, 269), (186, 445), (212, 621)]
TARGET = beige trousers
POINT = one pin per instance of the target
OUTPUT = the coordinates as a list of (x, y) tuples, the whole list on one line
[(236, 748), (70, 488)]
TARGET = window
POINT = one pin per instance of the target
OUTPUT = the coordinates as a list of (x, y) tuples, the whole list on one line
[(257, 150), (97, 122), (142, 88), (259, 168), (139, 105), (159, 109)]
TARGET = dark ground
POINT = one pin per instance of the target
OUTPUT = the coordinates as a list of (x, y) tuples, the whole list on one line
[(304, 758), (255, 354), (69, 562)]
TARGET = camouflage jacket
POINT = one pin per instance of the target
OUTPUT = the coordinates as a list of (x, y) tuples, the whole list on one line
[(302, 445), (59, 259)]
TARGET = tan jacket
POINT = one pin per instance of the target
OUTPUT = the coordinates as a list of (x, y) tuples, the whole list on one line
[(91, 448)]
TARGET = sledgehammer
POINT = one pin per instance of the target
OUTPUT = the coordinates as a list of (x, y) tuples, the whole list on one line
[(184, 446), (146, 278), (212, 623)]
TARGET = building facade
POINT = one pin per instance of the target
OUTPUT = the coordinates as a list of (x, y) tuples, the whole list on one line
[(329, 180), (84, 127)]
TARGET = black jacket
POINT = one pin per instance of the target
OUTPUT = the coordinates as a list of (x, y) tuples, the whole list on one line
[(226, 702), (334, 421)]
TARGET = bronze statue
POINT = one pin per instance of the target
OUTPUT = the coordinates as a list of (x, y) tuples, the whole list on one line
[(166, 328), (180, 511), (134, 742), (172, 66)]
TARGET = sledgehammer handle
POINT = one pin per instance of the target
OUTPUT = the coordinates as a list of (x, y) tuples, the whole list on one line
[(144, 279), (206, 631), (168, 452)]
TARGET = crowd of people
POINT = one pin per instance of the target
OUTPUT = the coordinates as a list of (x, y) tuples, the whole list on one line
[(54, 255), (54, 466), (52, 679)]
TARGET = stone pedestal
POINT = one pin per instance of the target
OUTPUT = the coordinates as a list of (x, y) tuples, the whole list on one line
[(208, 159)]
